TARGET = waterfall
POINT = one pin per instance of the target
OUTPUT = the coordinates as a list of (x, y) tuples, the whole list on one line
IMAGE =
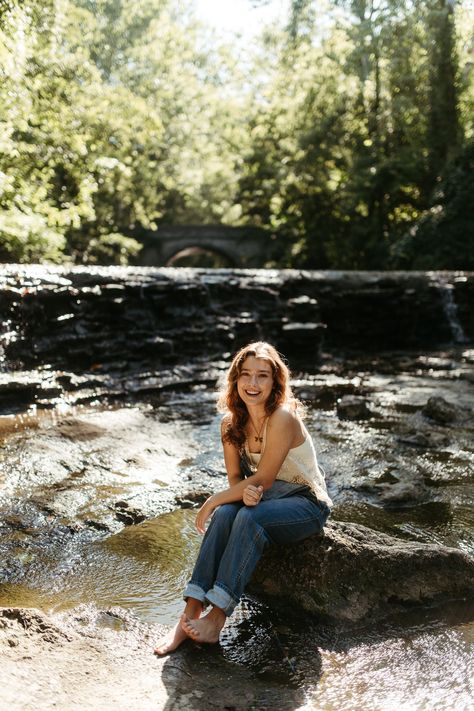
[(450, 309), (3, 338)]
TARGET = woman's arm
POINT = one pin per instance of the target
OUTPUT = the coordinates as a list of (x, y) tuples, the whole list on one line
[(281, 429), (231, 456)]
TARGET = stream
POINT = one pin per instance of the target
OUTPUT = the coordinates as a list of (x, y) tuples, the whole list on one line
[(98, 500)]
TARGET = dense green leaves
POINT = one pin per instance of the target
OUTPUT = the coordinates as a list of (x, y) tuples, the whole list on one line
[(445, 234), (111, 120), (371, 128), (347, 131)]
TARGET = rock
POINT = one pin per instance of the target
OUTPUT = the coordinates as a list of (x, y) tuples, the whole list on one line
[(24, 389), (439, 410), (192, 499), (404, 493), (77, 318), (127, 514), (350, 573), (325, 391), (425, 440), (103, 659), (97, 525), (302, 341), (352, 407), (303, 308)]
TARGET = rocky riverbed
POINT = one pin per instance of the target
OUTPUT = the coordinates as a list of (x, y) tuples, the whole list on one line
[(101, 468)]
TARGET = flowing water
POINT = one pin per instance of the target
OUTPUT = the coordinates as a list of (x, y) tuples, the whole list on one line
[(423, 661)]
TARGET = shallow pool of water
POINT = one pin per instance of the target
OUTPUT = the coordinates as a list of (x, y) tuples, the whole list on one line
[(143, 568), (418, 663)]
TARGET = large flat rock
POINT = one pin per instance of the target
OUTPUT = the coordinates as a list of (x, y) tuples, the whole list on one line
[(98, 660), (351, 573)]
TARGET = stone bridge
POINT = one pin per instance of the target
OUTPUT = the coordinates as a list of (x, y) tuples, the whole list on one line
[(246, 247)]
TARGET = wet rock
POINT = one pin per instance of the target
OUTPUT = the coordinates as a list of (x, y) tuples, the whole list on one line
[(302, 341), (326, 390), (97, 525), (79, 430), (404, 493), (192, 499), (24, 389), (127, 514), (439, 410), (424, 440), (77, 318), (103, 659), (17, 523), (303, 308), (353, 407), (351, 573)]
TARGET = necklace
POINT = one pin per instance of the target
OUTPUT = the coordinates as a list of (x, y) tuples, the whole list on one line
[(258, 434)]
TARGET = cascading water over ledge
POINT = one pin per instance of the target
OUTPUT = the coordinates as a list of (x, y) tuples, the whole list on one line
[(80, 318)]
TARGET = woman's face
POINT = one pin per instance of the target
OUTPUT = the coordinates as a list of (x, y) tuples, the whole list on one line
[(255, 381)]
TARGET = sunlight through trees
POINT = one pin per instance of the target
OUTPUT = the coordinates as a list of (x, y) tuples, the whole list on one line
[(347, 130)]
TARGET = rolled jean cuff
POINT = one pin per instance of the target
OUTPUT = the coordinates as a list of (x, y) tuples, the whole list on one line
[(219, 597), (194, 591)]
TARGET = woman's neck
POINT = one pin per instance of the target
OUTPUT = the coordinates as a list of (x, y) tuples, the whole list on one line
[(257, 414)]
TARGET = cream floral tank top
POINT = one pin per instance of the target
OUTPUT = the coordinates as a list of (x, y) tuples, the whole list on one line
[(299, 467)]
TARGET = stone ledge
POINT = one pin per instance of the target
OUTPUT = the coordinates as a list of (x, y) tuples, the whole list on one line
[(351, 573)]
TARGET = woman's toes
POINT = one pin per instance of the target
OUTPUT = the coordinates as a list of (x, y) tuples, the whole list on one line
[(191, 631)]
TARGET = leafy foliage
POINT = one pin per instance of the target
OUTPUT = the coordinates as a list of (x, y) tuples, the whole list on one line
[(444, 237), (347, 131)]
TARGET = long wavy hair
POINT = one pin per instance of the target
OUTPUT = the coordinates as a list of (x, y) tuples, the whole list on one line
[(230, 402)]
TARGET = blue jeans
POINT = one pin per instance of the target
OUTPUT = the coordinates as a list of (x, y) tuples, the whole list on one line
[(236, 538)]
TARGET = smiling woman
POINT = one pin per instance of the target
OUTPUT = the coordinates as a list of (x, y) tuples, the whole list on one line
[(276, 493)]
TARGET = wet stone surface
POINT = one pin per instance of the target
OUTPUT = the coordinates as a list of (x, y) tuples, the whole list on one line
[(107, 448), (77, 474)]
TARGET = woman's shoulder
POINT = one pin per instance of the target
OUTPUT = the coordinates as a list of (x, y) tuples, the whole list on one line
[(283, 416), (226, 421)]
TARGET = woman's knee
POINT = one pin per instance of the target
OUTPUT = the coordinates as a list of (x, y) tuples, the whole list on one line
[(226, 513), (247, 516)]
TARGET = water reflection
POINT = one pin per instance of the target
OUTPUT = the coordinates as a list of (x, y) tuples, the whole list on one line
[(414, 663), (143, 567)]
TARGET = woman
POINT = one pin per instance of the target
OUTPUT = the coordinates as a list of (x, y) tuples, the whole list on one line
[(282, 498)]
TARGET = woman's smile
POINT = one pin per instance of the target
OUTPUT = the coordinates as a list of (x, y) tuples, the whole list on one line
[(255, 381)]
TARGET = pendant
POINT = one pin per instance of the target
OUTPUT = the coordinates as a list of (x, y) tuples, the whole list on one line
[(258, 439)]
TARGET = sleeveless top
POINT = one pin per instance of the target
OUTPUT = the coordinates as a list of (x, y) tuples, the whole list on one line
[(299, 467)]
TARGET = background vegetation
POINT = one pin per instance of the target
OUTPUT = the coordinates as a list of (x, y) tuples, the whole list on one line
[(348, 131)]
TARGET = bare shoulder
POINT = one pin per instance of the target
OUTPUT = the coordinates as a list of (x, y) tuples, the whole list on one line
[(283, 418), (226, 422)]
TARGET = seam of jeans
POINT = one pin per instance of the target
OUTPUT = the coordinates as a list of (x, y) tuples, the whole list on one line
[(259, 534), (292, 523)]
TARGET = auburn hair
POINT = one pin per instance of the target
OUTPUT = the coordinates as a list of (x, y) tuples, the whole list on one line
[(230, 402)]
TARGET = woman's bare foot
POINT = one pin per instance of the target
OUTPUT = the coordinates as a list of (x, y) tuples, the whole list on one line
[(206, 629), (176, 636), (171, 641)]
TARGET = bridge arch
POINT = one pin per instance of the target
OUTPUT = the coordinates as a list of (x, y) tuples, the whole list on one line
[(246, 247), (200, 256)]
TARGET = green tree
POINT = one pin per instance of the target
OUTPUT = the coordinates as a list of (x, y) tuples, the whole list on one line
[(364, 135), (114, 121), (444, 237)]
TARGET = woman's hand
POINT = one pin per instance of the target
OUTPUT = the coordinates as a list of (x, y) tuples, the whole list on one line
[(252, 495), (204, 513)]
